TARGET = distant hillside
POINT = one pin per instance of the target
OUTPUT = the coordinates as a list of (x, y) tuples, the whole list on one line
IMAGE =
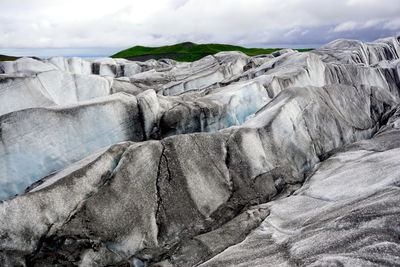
[(7, 58), (188, 51)]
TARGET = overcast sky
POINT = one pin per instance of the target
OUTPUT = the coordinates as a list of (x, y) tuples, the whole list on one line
[(101, 27)]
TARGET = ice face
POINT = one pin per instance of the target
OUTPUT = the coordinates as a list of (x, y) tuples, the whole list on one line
[(241, 100), (18, 93), (67, 88), (50, 139)]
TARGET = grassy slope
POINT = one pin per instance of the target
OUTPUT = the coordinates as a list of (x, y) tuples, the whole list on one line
[(7, 58), (191, 51)]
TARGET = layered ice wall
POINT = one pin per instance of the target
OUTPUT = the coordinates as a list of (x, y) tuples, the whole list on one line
[(39, 141)]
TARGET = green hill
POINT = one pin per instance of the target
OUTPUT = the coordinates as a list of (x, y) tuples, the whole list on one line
[(188, 51), (7, 58)]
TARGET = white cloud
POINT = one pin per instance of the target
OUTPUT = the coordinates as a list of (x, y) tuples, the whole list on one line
[(346, 26), (123, 23), (373, 23), (392, 25)]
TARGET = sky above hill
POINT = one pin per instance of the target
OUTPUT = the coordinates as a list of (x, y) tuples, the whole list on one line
[(102, 27)]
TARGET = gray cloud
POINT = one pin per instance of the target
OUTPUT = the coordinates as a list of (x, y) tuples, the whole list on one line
[(111, 25)]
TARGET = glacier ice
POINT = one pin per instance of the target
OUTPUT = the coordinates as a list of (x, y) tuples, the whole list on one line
[(285, 159)]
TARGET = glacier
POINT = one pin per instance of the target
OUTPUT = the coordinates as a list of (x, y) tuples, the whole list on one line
[(288, 159)]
